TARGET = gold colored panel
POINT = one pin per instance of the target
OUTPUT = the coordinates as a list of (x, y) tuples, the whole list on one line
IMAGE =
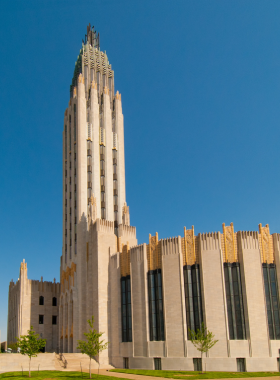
[(154, 253), (125, 260), (190, 247), (266, 245), (229, 244)]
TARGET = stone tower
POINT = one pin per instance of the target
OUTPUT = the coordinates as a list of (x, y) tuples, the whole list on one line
[(95, 213)]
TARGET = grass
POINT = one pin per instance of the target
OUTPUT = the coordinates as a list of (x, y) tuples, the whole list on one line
[(191, 375), (59, 375)]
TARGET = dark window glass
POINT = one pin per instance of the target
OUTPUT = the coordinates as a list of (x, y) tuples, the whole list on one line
[(241, 364), (155, 305), (54, 319), (54, 301), (197, 364), (157, 363), (41, 300), (41, 319), (193, 297), (126, 309), (272, 300), (236, 322)]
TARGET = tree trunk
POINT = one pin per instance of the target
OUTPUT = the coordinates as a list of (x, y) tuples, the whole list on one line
[(201, 363), (90, 367), (29, 367)]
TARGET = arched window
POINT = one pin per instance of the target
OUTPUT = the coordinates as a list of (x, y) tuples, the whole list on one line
[(41, 300), (54, 301)]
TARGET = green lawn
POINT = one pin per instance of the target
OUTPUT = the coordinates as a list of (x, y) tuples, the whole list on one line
[(60, 375), (190, 375)]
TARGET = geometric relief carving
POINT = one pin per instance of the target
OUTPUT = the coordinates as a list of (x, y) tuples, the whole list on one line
[(266, 245), (125, 260), (154, 253), (190, 247), (229, 244)]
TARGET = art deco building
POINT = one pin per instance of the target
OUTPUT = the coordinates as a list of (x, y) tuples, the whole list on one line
[(95, 214), (146, 298)]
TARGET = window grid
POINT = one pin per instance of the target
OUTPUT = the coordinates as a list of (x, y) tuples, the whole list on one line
[(272, 300), (126, 309), (193, 297), (155, 305), (235, 310)]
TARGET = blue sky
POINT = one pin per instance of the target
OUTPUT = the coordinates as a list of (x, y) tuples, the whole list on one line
[(200, 85)]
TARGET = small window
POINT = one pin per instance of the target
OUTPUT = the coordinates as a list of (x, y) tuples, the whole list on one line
[(125, 363), (197, 364), (41, 300), (41, 319), (54, 301), (241, 367), (54, 319), (157, 363)]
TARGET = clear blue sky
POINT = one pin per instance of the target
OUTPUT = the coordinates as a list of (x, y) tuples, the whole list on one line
[(200, 85)]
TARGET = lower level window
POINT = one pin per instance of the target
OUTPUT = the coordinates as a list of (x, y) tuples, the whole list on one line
[(155, 305), (272, 300), (197, 364), (41, 319), (54, 319), (157, 363), (241, 364), (193, 297), (126, 309), (125, 363)]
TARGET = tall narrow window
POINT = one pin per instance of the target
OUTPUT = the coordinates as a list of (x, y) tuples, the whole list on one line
[(75, 127), (155, 305), (126, 309), (70, 132), (65, 141), (41, 300), (236, 323), (272, 300), (193, 297)]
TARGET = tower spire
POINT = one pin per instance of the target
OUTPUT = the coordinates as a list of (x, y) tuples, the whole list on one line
[(92, 37)]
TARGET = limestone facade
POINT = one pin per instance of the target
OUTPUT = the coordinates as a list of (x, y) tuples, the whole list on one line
[(145, 298), (33, 303)]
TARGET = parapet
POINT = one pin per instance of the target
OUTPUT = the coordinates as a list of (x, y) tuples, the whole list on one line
[(138, 253), (210, 241), (249, 239), (170, 246), (103, 225), (127, 230)]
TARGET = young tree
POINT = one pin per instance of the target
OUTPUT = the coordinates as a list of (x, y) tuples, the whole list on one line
[(92, 346), (30, 345), (13, 346), (202, 340)]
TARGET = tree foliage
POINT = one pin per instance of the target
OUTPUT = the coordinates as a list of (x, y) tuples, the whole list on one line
[(13, 346), (93, 345), (30, 344), (202, 340)]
